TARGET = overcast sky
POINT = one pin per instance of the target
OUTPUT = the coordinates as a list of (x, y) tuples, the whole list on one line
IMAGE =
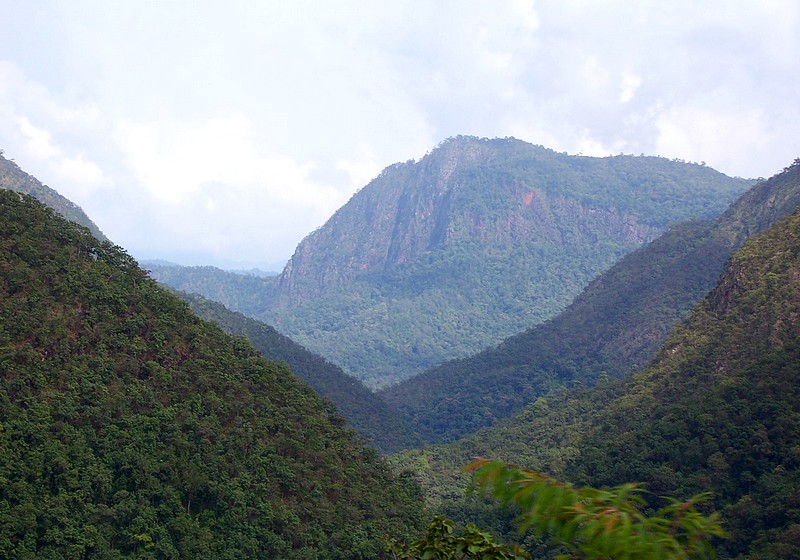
[(209, 132)]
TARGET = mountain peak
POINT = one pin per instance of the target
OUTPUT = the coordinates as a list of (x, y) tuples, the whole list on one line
[(411, 254)]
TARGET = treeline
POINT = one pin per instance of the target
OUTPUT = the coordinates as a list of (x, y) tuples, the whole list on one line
[(15, 179)]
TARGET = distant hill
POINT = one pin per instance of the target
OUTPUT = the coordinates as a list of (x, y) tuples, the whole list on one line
[(717, 411), (615, 326), (478, 240), (364, 411), (132, 429), (244, 293), (15, 179)]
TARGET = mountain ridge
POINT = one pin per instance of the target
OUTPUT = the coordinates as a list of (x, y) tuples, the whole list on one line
[(365, 412), (717, 410), (15, 179)]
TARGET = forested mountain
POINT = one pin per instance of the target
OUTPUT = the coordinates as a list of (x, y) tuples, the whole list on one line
[(717, 411), (616, 325), (15, 179), (480, 239), (132, 429), (247, 294), (365, 412)]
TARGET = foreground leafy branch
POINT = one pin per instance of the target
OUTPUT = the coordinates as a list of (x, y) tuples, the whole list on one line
[(440, 543), (596, 524), (589, 523)]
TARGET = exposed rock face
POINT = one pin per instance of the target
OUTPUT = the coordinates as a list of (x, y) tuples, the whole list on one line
[(415, 208)]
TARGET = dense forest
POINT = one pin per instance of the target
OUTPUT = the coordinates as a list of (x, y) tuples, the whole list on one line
[(477, 241), (717, 411), (365, 412), (132, 429), (614, 327), (241, 293)]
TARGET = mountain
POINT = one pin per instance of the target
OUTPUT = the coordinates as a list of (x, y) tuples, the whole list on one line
[(15, 179), (480, 239), (615, 326), (718, 410), (365, 412), (132, 429), (244, 293)]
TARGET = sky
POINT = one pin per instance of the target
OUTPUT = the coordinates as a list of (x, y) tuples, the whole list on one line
[(222, 133)]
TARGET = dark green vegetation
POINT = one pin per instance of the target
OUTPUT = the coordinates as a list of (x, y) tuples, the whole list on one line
[(15, 179), (243, 293), (129, 428), (480, 239), (717, 411), (441, 542), (365, 412), (615, 326)]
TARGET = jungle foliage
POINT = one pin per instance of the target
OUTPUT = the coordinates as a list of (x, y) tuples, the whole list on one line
[(364, 411), (129, 428), (586, 522)]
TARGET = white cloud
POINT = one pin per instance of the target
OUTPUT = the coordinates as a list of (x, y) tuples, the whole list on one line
[(174, 159), (693, 134), (217, 193), (83, 175), (362, 168), (79, 171), (630, 83), (38, 141), (236, 129)]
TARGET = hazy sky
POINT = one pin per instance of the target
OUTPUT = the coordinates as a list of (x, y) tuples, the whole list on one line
[(224, 132)]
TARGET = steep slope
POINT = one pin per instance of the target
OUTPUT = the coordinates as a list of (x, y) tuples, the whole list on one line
[(439, 258), (616, 325), (364, 411), (15, 179), (717, 411), (132, 429), (720, 409)]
